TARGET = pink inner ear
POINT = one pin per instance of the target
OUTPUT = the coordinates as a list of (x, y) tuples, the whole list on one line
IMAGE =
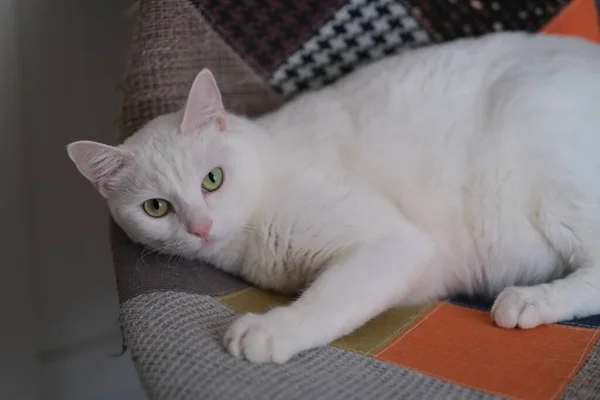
[(98, 162), (204, 104)]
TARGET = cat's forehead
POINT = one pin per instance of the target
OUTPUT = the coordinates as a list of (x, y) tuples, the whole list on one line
[(162, 139), (165, 157)]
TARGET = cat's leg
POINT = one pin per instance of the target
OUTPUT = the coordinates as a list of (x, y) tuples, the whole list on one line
[(345, 296), (577, 295)]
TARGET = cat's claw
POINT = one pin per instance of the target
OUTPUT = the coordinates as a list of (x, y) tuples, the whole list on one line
[(260, 338), (523, 307)]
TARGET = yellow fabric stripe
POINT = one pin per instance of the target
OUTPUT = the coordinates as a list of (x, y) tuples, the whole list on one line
[(366, 340)]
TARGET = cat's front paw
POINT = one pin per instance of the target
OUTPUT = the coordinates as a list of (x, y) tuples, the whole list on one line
[(523, 307), (270, 337)]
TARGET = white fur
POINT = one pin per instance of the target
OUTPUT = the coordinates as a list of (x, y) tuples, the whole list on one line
[(458, 168)]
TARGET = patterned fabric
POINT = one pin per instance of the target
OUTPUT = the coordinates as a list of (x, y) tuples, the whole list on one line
[(461, 345), (448, 352), (174, 312), (266, 31), (299, 45), (357, 32), (175, 339)]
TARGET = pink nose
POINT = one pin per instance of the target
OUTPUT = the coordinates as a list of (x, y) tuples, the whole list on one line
[(201, 228)]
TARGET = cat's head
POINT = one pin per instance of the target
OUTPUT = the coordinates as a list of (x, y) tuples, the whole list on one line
[(187, 183)]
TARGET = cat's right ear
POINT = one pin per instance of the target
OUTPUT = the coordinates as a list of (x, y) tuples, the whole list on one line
[(99, 163), (204, 104)]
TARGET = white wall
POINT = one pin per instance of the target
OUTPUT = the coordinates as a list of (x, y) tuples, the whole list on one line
[(63, 72)]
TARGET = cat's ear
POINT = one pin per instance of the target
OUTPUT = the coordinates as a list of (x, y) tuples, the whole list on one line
[(99, 163), (204, 104)]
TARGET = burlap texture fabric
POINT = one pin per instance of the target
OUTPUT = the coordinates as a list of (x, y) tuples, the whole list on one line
[(171, 43), (586, 384)]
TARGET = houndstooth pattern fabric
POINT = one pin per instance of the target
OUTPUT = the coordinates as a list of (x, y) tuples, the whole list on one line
[(359, 32)]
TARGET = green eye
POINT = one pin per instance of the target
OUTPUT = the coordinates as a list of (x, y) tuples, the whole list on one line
[(156, 208), (213, 180)]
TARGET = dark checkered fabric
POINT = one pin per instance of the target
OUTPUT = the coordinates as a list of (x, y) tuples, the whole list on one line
[(264, 32), (450, 19)]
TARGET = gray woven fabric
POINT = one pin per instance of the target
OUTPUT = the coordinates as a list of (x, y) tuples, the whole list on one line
[(175, 340), (586, 385)]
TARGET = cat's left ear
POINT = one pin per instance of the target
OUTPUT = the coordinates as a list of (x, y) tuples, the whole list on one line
[(101, 164), (204, 104)]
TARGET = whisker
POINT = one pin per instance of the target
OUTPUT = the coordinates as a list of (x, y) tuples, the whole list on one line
[(250, 228)]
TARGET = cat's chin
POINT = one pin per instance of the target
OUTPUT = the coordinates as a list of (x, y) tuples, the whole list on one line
[(211, 245)]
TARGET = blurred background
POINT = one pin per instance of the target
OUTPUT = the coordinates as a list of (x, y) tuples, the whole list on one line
[(60, 65)]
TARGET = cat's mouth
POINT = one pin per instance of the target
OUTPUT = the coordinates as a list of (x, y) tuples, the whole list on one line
[(207, 240)]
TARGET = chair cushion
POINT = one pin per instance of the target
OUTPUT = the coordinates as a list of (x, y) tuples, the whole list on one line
[(174, 312)]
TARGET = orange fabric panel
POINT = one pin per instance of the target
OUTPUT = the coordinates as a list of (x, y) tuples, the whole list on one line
[(463, 346), (578, 18)]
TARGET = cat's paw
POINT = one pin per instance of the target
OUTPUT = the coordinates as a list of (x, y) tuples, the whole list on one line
[(269, 337), (523, 307)]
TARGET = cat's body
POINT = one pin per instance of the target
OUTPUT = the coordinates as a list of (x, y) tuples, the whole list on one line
[(470, 167)]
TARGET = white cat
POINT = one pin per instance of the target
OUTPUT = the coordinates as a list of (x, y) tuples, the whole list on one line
[(466, 167)]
